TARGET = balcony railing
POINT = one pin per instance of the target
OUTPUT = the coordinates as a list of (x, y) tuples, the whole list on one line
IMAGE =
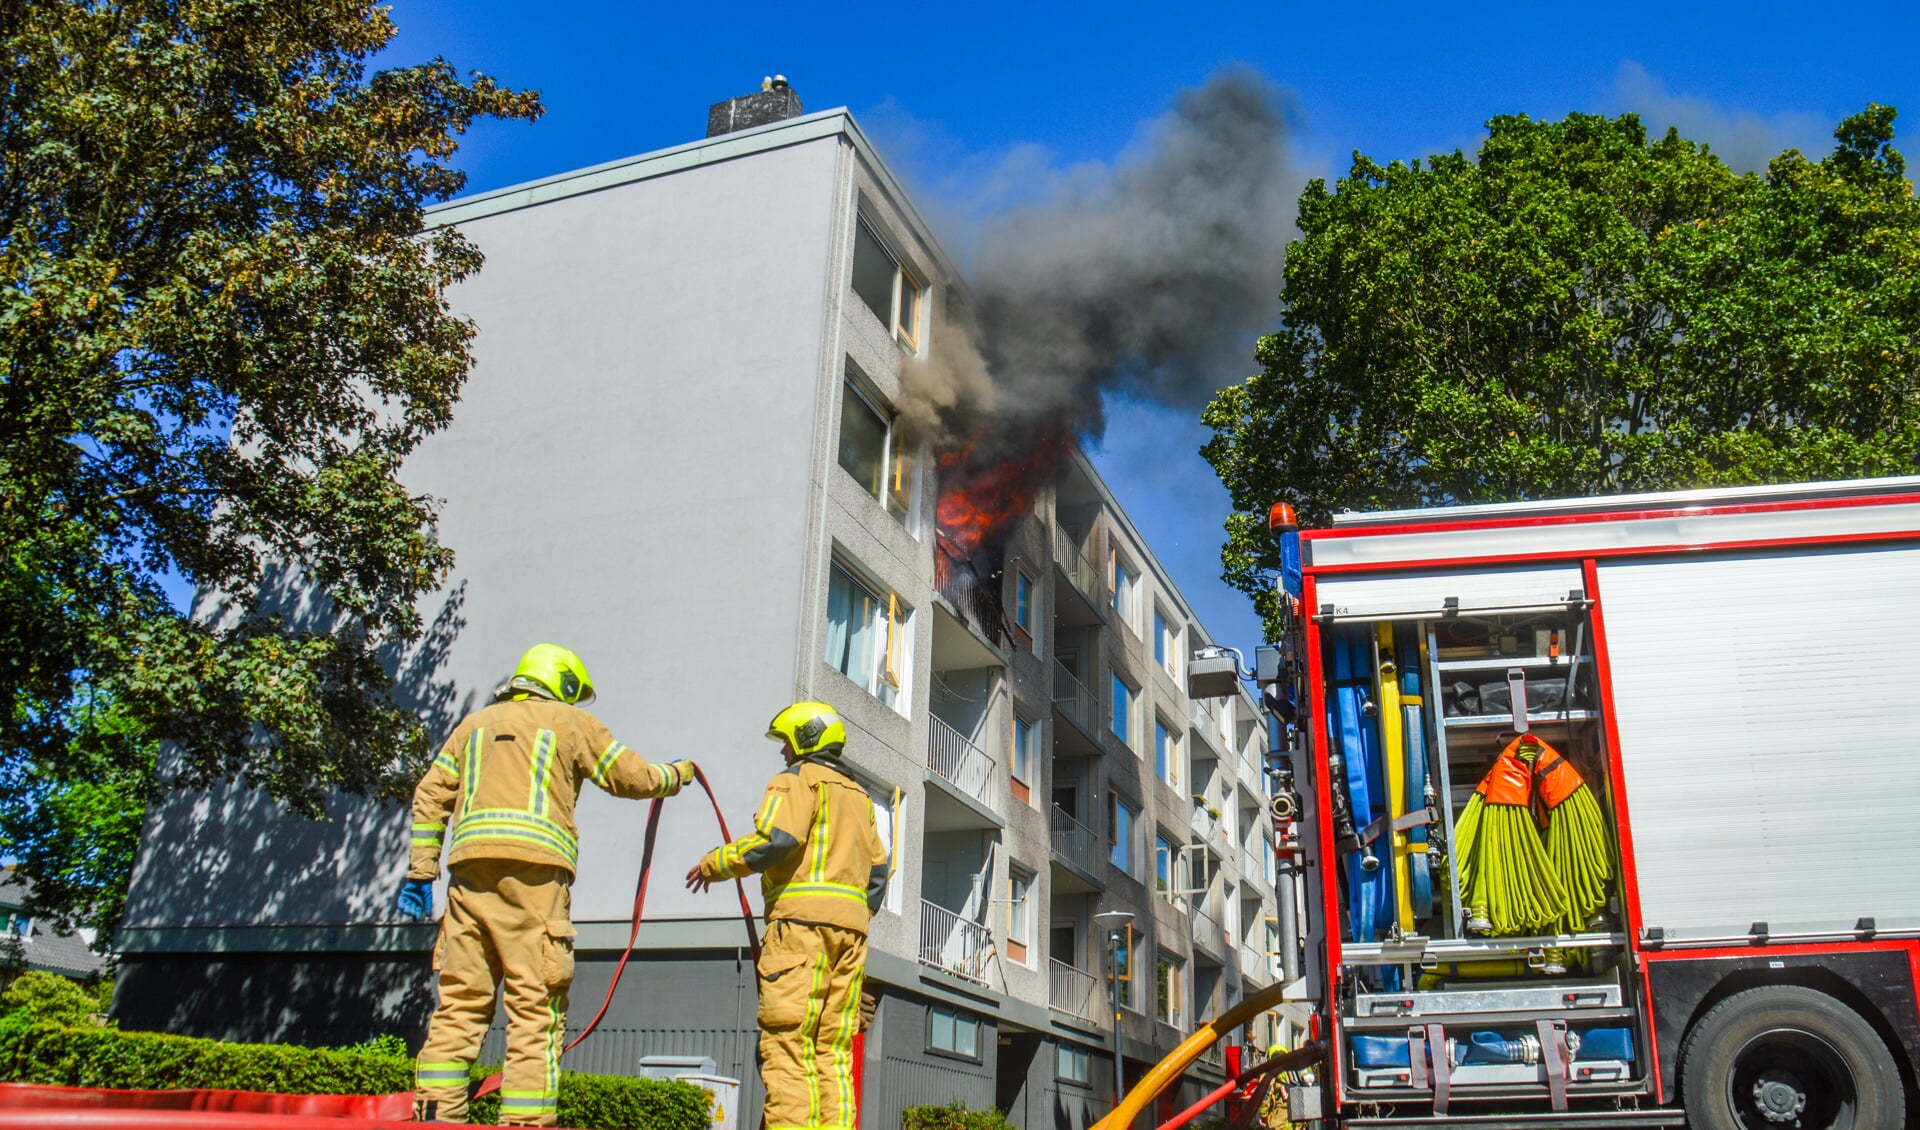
[(1075, 992), (952, 755), (951, 943), (1076, 843), (1078, 567), (1072, 698), (1256, 963), (1206, 927)]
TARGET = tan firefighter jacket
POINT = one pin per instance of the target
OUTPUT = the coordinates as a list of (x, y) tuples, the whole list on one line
[(508, 778), (816, 847)]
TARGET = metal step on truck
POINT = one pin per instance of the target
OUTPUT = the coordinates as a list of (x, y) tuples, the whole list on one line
[(1606, 811)]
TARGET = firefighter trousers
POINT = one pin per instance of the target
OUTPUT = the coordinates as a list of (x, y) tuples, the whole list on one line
[(810, 979), (507, 926)]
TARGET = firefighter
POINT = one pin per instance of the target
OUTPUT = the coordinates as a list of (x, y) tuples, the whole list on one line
[(509, 777), (823, 873)]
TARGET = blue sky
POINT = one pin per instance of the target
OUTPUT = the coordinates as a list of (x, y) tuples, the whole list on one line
[(989, 88)]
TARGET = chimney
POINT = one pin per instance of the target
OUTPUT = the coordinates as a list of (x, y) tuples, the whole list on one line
[(775, 101)]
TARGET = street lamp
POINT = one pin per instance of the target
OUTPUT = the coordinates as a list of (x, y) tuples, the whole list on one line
[(1118, 920)]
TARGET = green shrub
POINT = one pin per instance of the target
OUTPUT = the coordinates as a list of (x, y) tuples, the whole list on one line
[(109, 1057), (36, 997), (953, 1116)]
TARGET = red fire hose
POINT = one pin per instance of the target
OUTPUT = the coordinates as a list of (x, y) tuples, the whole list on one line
[(492, 1082)]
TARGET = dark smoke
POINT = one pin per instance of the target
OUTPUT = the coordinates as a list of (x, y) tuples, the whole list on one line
[(1151, 278)]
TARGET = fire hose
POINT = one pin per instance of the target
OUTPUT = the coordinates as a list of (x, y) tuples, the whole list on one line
[(492, 1082)]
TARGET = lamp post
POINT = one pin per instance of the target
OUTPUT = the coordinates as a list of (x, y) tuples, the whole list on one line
[(1115, 921)]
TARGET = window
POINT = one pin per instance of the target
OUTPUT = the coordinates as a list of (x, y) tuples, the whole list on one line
[(1121, 720), (1120, 824), (1123, 587), (1166, 752), (1123, 968), (953, 1032), (20, 925), (1165, 856), (1023, 608), (1019, 914), (874, 452), (885, 286), (866, 636), (1022, 760), (1073, 1064), (1166, 644), (1169, 982)]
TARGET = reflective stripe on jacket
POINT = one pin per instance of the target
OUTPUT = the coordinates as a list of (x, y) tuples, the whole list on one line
[(504, 785), (815, 845)]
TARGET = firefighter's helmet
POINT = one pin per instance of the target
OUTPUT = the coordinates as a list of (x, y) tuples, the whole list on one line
[(551, 671), (810, 729)]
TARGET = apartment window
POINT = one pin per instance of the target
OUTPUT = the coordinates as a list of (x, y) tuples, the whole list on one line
[(1169, 981), (1023, 608), (1123, 587), (867, 635), (1121, 720), (1166, 644), (1166, 855), (1022, 760), (885, 286), (874, 451), (1121, 818), (1019, 914), (1123, 969), (953, 1032), (1072, 1064), (1166, 752)]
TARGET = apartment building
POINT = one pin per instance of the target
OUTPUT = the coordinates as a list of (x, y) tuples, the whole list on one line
[(679, 455)]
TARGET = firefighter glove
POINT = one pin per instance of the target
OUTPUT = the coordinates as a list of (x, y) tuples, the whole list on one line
[(682, 773), (416, 899)]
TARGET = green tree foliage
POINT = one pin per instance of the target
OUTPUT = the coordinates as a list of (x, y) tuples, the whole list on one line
[(221, 330), (1581, 310), (38, 997)]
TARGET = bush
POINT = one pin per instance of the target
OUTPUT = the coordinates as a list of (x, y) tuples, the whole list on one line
[(108, 1057), (36, 997), (953, 1116)]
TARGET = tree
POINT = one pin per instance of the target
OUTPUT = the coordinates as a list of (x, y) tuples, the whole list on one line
[(221, 330), (1579, 311)]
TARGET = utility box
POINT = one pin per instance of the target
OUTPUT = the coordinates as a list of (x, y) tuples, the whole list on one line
[(1213, 676), (724, 1094)]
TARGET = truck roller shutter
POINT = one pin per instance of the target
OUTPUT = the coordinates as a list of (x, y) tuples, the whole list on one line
[(1769, 718), (1428, 594)]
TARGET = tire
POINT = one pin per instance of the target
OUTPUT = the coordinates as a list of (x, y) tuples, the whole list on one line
[(1760, 1054)]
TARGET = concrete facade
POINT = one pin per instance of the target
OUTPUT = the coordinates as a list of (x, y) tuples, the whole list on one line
[(646, 467)]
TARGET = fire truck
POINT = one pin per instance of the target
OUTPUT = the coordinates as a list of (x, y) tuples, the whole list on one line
[(1724, 932)]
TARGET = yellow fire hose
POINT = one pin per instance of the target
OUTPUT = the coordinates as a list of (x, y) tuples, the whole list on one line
[(1168, 1071)]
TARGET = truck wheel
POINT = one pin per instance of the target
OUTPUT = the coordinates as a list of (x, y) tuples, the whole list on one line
[(1788, 1058)]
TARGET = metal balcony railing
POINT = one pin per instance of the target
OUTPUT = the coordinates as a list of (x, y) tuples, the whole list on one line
[(951, 943), (1078, 567), (952, 755), (1075, 992), (1256, 963), (1206, 927), (1072, 698), (1075, 842)]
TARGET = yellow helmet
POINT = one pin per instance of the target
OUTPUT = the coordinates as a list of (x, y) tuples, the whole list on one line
[(553, 672), (812, 729)]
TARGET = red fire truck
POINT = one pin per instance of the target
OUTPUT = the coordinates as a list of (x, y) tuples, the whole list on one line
[(1725, 932)]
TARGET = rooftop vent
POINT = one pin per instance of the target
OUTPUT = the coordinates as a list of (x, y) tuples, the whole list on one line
[(775, 101)]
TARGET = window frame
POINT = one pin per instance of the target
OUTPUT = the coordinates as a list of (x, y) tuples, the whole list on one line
[(1023, 596), (1119, 566), (958, 1016), (1078, 1057), (1115, 805), (907, 295), (1166, 642), (1169, 984), (1129, 994), (1021, 883), (1167, 763), (898, 476), (1115, 714), (1020, 757)]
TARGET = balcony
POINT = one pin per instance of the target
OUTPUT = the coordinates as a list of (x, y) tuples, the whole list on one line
[(1075, 704), (952, 944), (1075, 992), (1208, 934), (961, 763), (1255, 963), (1076, 846), (1086, 605)]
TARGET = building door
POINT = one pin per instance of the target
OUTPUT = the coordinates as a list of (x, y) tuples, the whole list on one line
[(1013, 1069)]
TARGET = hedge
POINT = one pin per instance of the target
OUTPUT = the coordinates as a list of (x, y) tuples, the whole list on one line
[(953, 1116), (108, 1057)]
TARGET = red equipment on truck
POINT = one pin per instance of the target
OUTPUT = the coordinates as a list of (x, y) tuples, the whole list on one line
[(1605, 811)]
